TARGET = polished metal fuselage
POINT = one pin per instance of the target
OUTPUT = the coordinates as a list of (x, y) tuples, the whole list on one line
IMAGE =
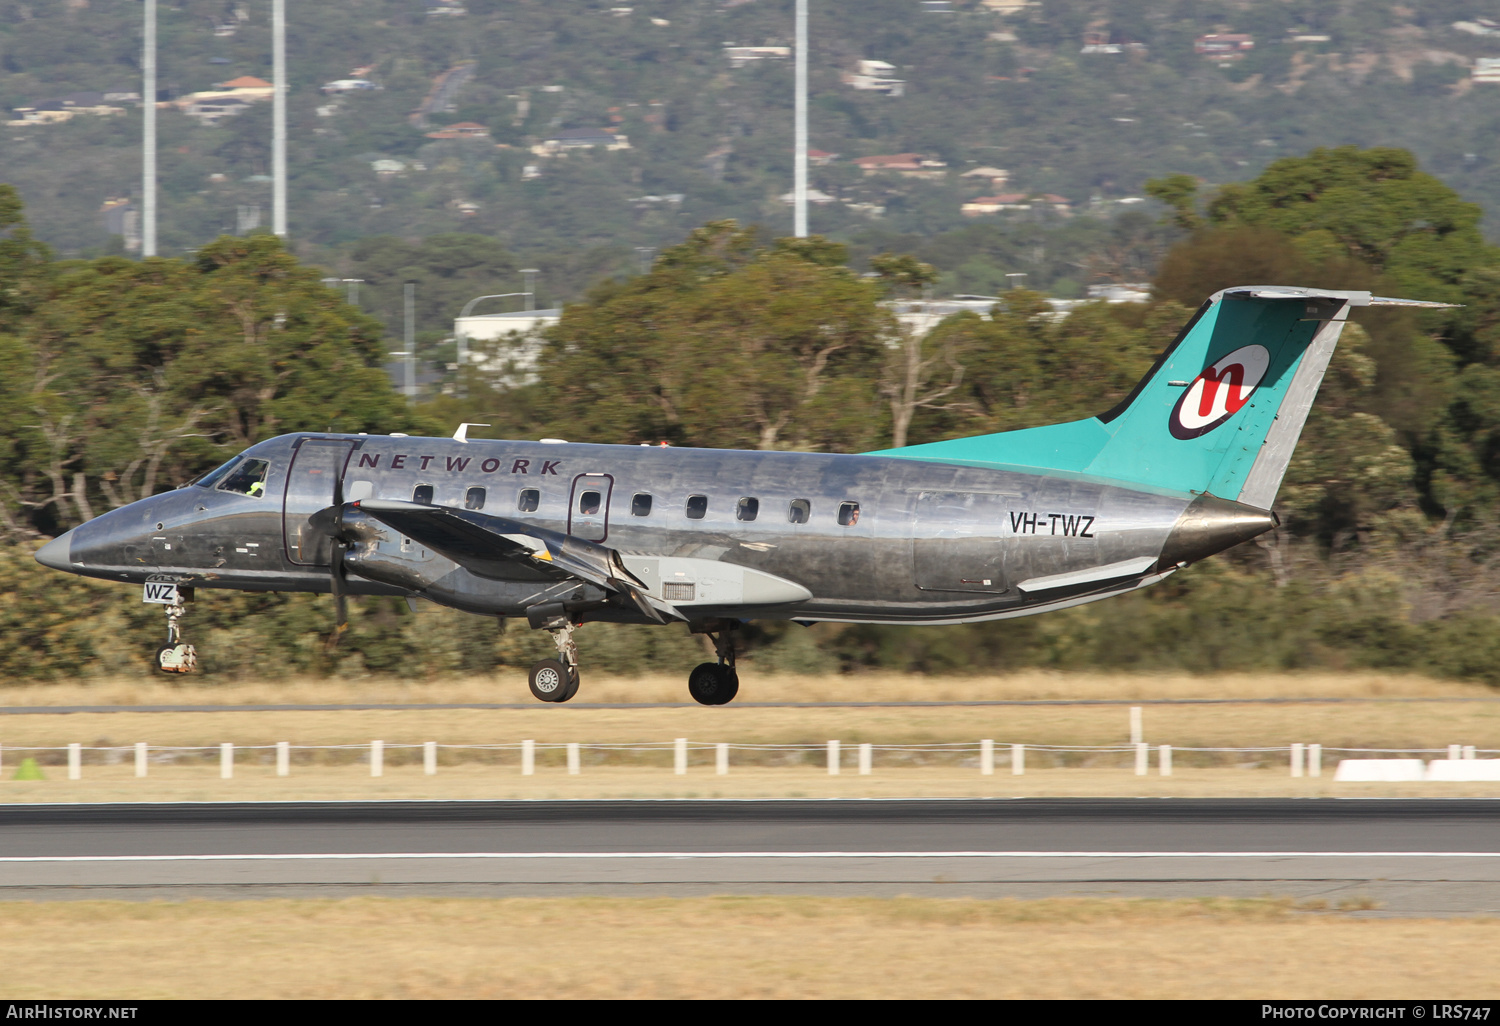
[(931, 543)]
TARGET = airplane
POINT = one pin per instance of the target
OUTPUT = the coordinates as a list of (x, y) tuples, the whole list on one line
[(1188, 464)]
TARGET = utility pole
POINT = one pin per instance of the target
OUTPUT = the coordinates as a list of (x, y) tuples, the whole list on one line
[(278, 118), (411, 340), (148, 143), (799, 185), (528, 275)]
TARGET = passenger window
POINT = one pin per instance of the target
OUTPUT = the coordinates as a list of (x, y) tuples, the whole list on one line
[(528, 500), (640, 505), (748, 509), (422, 494), (697, 506), (474, 498), (588, 503), (799, 511), (249, 478), (848, 514)]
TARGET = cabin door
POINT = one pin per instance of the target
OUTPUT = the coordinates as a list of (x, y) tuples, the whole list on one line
[(588, 507), (317, 465)]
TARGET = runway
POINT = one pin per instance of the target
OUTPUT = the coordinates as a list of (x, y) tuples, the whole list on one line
[(1406, 856)]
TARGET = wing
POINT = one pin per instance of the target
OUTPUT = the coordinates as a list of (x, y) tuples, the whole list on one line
[(495, 547)]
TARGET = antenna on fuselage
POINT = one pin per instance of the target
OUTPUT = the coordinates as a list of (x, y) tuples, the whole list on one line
[(462, 434)]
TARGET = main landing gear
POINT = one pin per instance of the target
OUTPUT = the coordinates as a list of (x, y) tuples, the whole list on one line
[(176, 656), (716, 683), (556, 680)]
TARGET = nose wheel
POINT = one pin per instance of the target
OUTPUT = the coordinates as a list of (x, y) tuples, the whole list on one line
[(176, 656), (716, 683), (556, 680)]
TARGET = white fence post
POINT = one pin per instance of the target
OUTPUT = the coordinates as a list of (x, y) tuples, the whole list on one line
[(283, 758), (573, 761), (75, 762), (679, 756), (833, 758), (1017, 760), (377, 758), (721, 758), (987, 757), (1137, 733), (226, 761), (1297, 760), (528, 757), (1142, 758), (140, 758), (1315, 760), (429, 758), (1166, 760), (1455, 752), (1470, 752), (866, 759)]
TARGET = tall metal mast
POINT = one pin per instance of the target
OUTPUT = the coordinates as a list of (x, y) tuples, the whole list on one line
[(799, 188), (148, 143), (278, 118)]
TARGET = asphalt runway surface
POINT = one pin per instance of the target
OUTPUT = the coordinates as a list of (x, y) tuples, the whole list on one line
[(1404, 856)]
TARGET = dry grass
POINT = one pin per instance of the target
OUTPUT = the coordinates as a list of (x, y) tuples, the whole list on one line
[(471, 782), (733, 948), (510, 686)]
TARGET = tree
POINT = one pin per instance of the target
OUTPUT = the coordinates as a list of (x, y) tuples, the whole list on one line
[(726, 343)]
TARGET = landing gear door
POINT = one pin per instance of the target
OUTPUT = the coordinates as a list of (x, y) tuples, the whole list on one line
[(588, 507), (317, 466)]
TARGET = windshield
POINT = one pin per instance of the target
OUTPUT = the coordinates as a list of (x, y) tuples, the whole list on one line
[(215, 475)]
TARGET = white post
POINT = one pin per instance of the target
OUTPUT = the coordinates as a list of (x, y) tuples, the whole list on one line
[(1137, 734), (226, 761), (679, 756), (528, 758), (1315, 760), (148, 142), (1017, 760), (1297, 760), (283, 758), (1455, 752), (799, 129), (140, 758), (833, 758), (75, 762), (866, 759), (1142, 759), (278, 118), (429, 758), (721, 759), (1166, 760), (1470, 753), (573, 762), (987, 758), (377, 758)]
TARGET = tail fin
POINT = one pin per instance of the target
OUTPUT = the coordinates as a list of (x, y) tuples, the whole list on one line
[(1220, 412)]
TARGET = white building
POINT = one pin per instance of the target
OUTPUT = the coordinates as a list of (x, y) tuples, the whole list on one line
[(512, 342), (875, 77)]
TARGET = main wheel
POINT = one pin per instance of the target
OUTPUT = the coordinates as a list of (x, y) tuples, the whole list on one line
[(712, 684), (572, 688), (549, 681)]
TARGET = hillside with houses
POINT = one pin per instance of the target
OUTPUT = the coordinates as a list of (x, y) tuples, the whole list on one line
[(996, 137)]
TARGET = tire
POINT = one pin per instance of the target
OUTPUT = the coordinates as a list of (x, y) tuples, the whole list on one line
[(712, 684), (548, 681), (572, 688)]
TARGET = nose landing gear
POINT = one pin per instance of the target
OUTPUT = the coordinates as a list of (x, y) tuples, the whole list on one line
[(716, 683), (176, 656), (556, 680)]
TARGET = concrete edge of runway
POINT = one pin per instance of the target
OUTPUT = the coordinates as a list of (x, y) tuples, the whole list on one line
[(822, 809)]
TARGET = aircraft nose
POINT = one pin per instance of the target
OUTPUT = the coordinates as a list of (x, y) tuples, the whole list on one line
[(55, 553)]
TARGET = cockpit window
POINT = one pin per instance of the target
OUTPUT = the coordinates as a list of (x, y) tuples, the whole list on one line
[(216, 475), (249, 478)]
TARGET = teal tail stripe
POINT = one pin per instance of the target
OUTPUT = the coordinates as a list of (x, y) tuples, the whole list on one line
[(1219, 412)]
